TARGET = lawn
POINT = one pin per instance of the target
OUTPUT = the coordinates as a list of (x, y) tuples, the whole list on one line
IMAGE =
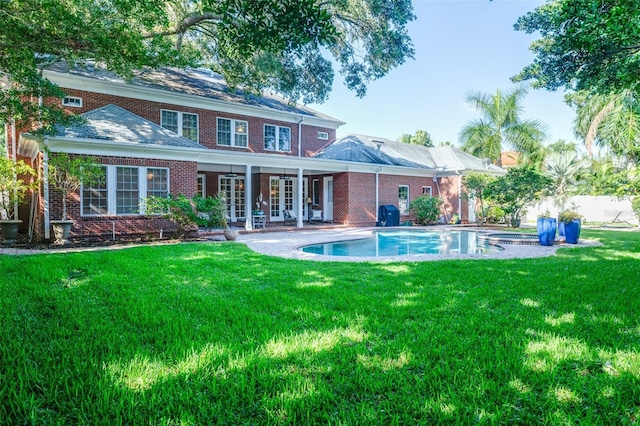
[(214, 333)]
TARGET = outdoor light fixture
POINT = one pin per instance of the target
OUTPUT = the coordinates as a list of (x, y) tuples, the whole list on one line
[(230, 174), (283, 176)]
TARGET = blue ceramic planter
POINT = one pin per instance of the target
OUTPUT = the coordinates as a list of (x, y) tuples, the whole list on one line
[(572, 231), (546, 230), (561, 229)]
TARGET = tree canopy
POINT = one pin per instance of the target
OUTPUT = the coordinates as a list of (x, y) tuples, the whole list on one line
[(585, 44), (421, 137), (611, 121), (282, 45)]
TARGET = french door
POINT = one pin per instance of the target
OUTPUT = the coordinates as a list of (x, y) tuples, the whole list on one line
[(233, 188), (283, 195)]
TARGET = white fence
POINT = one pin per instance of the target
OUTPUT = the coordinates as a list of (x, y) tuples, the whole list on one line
[(592, 208)]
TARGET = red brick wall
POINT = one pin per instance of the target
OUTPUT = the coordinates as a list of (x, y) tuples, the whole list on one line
[(354, 199), (207, 122), (310, 142), (182, 180), (355, 195)]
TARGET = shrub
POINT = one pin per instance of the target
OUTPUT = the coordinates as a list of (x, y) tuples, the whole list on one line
[(568, 216), (635, 206), (515, 190), (426, 208), (495, 214), (189, 213)]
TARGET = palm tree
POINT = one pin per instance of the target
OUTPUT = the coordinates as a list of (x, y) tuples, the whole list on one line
[(611, 121), (565, 168), (500, 126)]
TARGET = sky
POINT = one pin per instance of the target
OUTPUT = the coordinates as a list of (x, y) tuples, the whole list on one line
[(461, 46)]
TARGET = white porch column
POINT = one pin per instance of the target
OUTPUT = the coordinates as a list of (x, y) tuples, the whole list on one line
[(45, 191), (300, 199), (248, 200)]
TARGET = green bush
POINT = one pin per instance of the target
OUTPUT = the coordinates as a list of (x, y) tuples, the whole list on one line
[(189, 213), (635, 206), (495, 214), (426, 209)]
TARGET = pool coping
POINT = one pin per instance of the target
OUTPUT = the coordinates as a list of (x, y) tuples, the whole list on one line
[(287, 244)]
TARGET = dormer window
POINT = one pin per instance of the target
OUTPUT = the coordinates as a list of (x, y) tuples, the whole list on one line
[(72, 101)]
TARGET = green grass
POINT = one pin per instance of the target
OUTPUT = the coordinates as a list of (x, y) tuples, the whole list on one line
[(217, 334)]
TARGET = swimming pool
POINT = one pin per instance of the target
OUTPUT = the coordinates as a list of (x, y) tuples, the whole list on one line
[(400, 242)]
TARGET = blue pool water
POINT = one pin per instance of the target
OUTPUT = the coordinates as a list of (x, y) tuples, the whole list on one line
[(394, 243)]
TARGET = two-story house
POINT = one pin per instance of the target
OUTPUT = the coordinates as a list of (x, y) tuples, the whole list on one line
[(184, 131)]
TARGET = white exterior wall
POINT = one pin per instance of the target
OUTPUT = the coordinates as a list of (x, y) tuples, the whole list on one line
[(593, 208)]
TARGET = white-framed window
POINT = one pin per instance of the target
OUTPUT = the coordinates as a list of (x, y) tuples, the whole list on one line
[(233, 132), (157, 182), (124, 190), (72, 101), (403, 199), (94, 198), (323, 135), (202, 185), (427, 190), (277, 138), (127, 190), (183, 123)]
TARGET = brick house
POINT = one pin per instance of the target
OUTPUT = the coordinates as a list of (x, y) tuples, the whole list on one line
[(184, 131)]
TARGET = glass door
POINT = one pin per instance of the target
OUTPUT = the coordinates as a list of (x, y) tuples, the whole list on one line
[(233, 189), (283, 195)]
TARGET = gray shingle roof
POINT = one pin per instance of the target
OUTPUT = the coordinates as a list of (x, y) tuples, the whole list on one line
[(368, 149), (115, 124), (195, 82)]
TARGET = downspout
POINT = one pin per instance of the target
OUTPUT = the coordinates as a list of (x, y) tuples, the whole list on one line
[(300, 136), (45, 189), (377, 192)]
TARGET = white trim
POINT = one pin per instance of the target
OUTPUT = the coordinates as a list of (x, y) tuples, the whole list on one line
[(66, 99), (408, 200), (45, 192), (233, 122), (111, 180), (76, 82), (180, 122), (277, 140), (100, 147), (204, 183)]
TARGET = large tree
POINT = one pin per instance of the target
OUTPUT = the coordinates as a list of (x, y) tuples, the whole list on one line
[(421, 137), (610, 121), (282, 45), (501, 125), (584, 44)]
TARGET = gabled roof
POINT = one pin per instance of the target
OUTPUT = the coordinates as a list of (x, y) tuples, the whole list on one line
[(368, 149), (116, 124), (196, 82)]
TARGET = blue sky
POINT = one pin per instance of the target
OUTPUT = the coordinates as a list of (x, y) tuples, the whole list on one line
[(460, 46)]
